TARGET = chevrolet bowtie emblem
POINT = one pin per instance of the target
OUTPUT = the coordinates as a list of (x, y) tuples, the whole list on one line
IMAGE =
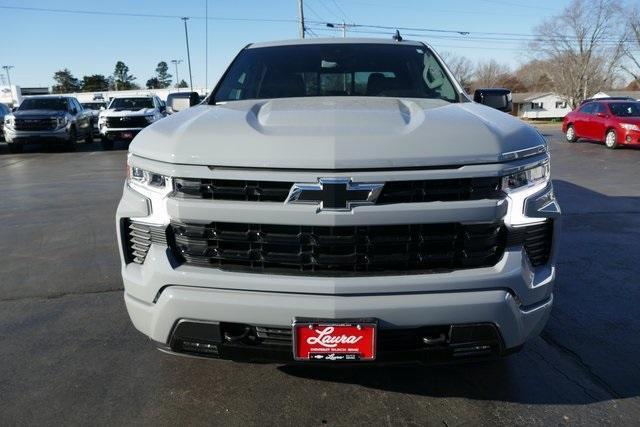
[(335, 194)]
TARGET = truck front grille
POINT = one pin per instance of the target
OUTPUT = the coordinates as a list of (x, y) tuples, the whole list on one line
[(35, 124), (444, 190), (358, 250), (127, 122)]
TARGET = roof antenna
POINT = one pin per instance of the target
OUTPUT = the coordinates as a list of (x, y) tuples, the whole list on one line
[(397, 37)]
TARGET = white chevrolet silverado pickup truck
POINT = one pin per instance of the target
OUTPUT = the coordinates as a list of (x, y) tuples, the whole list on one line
[(339, 200)]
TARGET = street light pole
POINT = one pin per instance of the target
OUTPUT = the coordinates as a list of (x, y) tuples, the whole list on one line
[(6, 68), (176, 62), (186, 35)]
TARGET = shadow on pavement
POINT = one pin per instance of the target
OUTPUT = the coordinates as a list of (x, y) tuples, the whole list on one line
[(590, 347), (48, 147)]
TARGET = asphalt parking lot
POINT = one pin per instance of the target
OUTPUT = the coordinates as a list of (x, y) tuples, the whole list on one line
[(69, 354)]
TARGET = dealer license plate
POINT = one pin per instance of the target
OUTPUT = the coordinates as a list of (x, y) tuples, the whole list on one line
[(334, 340)]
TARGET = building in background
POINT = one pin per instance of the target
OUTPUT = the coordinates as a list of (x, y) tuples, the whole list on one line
[(539, 105), (10, 95), (635, 94)]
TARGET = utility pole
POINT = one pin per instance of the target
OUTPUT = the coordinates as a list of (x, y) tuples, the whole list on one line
[(186, 35), (6, 68), (206, 45), (301, 15), (176, 62)]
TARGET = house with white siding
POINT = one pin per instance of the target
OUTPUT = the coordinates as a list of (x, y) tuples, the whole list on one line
[(539, 105), (635, 94)]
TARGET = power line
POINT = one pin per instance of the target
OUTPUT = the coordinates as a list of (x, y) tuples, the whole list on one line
[(142, 15), (506, 40), (313, 11), (325, 7), (344, 14), (233, 19), (429, 38)]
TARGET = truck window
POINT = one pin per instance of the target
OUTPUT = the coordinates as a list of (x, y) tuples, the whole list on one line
[(379, 70)]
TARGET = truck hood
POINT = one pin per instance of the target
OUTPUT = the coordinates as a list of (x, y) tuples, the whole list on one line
[(335, 133), (38, 113)]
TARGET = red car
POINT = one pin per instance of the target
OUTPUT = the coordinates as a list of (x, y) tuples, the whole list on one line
[(615, 123)]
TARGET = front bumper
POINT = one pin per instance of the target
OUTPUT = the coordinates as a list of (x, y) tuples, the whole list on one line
[(124, 134), (12, 135), (629, 137), (489, 295)]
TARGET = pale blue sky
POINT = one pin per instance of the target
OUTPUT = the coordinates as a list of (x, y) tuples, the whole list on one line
[(38, 43)]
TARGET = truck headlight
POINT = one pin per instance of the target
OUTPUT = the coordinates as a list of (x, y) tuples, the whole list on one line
[(527, 177), (530, 194), (61, 121), (138, 177), (9, 121)]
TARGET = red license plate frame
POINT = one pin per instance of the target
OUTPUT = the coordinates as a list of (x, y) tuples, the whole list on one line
[(322, 340)]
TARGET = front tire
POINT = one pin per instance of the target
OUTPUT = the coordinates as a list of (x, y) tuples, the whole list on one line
[(73, 139), (15, 148), (107, 144), (571, 134), (611, 139)]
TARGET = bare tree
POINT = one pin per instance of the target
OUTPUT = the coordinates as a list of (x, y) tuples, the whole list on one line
[(633, 58), (461, 67), (582, 47), (534, 75), (490, 74)]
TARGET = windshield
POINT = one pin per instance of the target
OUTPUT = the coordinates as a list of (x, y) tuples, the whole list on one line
[(59, 104), (335, 70), (93, 105), (131, 103), (625, 109)]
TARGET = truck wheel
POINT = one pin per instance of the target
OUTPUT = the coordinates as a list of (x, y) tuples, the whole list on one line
[(73, 139), (571, 134), (611, 140), (15, 147), (107, 144)]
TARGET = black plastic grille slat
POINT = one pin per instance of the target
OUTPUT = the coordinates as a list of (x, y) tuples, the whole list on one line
[(126, 122), (445, 190), (35, 124), (536, 239), (392, 249)]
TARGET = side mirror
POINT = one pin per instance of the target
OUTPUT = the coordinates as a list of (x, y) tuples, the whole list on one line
[(176, 104), (14, 109), (603, 115), (500, 99), (163, 108), (73, 111)]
